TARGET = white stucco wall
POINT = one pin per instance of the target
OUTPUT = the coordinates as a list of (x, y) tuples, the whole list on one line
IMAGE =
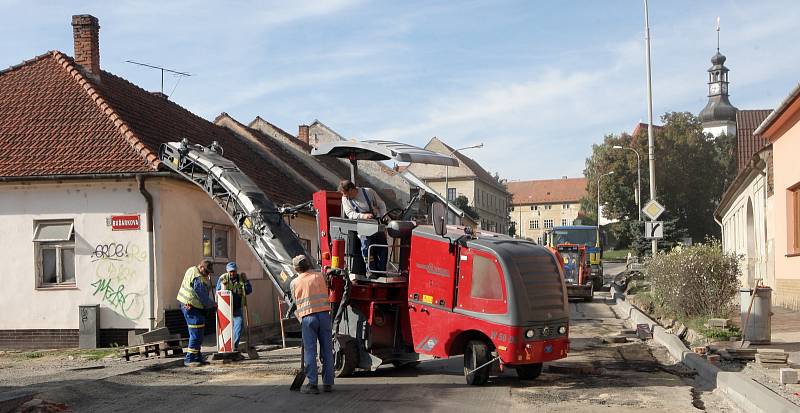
[(757, 262), (117, 283)]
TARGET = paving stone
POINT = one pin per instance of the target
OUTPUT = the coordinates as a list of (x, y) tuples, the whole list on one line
[(718, 322), (788, 376), (681, 331)]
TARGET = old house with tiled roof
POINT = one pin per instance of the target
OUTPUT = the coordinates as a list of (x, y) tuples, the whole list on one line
[(377, 175), (745, 211), (486, 194), (539, 205), (90, 217), (760, 211)]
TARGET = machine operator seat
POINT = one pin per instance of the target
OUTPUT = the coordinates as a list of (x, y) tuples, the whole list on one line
[(400, 229)]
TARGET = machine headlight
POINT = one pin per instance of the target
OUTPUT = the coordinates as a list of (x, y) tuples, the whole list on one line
[(529, 333), (562, 330)]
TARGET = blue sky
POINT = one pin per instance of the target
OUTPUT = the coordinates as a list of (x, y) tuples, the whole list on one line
[(538, 82)]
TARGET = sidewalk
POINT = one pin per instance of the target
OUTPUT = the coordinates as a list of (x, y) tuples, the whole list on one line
[(785, 336)]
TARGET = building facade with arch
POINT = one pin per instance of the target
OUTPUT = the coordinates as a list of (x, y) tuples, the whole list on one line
[(745, 216)]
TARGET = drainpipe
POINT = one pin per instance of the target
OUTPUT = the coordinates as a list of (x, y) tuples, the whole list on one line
[(150, 250), (764, 171)]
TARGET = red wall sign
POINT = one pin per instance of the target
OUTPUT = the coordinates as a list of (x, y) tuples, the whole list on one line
[(125, 222)]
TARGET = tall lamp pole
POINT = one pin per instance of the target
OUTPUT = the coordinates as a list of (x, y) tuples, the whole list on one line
[(638, 177), (650, 144), (597, 242), (447, 176)]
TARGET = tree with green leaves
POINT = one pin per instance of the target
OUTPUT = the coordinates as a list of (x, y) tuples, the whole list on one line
[(462, 202), (692, 171)]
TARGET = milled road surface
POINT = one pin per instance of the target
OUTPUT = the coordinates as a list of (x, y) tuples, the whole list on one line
[(597, 376)]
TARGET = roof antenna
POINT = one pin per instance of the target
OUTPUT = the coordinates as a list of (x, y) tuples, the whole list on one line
[(162, 69), (717, 34)]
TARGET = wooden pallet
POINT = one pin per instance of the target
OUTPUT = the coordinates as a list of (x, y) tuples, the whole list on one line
[(158, 349)]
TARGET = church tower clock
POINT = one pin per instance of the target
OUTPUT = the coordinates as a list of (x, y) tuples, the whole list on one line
[(719, 116)]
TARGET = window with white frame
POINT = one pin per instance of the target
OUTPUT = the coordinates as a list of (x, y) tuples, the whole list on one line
[(451, 194), (548, 224), (563, 221), (534, 207), (565, 206), (548, 206), (534, 224), (217, 244), (54, 245)]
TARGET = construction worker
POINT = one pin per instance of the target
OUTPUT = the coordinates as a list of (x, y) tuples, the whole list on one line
[(364, 203), (310, 293), (240, 286), (193, 294)]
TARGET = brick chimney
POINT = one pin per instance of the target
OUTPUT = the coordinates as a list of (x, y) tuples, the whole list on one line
[(302, 133), (85, 33)]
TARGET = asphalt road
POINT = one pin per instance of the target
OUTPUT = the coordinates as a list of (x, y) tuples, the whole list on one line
[(610, 269), (597, 376)]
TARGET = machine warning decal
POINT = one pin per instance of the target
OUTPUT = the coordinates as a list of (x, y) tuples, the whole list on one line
[(432, 269), (427, 344), (427, 298)]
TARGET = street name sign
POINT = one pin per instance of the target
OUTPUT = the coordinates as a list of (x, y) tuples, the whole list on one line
[(653, 229), (653, 209)]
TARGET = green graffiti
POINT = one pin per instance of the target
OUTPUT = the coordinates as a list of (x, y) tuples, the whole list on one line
[(128, 304)]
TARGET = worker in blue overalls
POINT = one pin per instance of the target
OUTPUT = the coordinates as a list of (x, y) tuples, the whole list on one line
[(240, 286), (193, 294), (364, 203)]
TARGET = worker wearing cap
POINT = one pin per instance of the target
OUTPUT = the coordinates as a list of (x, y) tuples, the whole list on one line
[(193, 294), (240, 286), (310, 293), (364, 203)]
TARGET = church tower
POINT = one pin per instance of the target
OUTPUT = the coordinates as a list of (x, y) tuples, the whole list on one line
[(719, 116)]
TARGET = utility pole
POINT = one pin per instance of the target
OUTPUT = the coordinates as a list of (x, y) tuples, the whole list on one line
[(650, 143)]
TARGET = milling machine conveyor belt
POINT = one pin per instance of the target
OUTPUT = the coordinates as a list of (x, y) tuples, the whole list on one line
[(259, 222)]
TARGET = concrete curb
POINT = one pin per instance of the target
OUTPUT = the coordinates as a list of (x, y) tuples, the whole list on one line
[(744, 392)]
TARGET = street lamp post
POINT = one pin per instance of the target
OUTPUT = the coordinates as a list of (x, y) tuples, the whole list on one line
[(650, 144), (597, 242), (446, 179), (638, 177)]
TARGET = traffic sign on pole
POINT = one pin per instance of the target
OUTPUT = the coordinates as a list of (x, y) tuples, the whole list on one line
[(653, 229), (653, 209)]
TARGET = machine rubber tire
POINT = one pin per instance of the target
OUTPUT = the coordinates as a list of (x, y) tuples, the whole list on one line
[(529, 371), (476, 354), (597, 283), (345, 360)]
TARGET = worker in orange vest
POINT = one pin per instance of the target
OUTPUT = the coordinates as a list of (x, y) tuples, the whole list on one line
[(310, 293)]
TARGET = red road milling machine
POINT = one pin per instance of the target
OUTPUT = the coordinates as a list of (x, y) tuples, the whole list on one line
[(447, 290)]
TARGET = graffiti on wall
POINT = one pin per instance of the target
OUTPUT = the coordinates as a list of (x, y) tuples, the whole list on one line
[(116, 264), (128, 304)]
